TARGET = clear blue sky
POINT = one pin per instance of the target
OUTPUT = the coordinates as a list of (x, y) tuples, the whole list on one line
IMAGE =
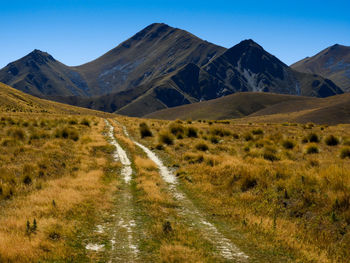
[(77, 31)]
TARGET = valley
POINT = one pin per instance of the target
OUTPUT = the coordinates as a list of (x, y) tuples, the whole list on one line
[(169, 148)]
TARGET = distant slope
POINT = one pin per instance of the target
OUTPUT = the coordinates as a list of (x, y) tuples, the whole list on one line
[(14, 101), (40, 74), (332, 63), (232, 106), (265, 107)]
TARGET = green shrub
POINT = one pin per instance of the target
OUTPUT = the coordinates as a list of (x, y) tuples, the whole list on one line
[(192, 132), (345, 153), (235, 136), (145, 130), (202, 147), (331, 140), (312, 149), (73, 122), (288, 144), (165, 137)]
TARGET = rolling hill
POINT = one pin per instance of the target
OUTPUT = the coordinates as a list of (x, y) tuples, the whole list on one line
[(14, 101), (332, 63), (264, 107)]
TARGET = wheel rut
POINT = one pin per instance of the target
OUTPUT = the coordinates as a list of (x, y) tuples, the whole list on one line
[(191, 213)]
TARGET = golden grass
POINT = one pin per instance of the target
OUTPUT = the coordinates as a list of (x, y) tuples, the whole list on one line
[(69, 190), (284, 195)]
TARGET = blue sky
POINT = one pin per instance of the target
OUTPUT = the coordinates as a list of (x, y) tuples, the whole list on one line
[(77, 31)]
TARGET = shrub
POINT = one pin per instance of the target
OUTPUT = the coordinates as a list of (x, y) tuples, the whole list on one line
[(17, 134), (145, 130), (214, 139), (220, 132), (67, 133), (73, 122), (270, 154), (176, 129), (248, 183), (85, 122), (235, 136), (165, 137), (312, 149), (248, 137), (313, 137), (202, 147), (159, 147), (345, 153), (192, 132), (331, 140), (258, 131), (288, 144)]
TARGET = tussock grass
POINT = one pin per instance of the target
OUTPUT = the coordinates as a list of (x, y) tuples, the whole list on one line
[(271, 187)]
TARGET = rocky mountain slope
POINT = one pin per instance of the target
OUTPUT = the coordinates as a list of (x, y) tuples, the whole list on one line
[(332, 63)]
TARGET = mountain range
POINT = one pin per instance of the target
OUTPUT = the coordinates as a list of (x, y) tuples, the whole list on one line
[(162, 67)]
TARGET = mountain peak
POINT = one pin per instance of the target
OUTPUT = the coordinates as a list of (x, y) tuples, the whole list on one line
[(40, 56)]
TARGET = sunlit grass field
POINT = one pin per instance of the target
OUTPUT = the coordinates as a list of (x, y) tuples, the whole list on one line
[(282, 185)]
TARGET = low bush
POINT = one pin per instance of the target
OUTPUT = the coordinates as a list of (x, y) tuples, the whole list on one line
[(345, 153), (176, 129), (312, 149), (258, 131), (288, 144), (85, 122), (145, 130), (313, 137), (67, 133), (192, 132), (165, 137), (248, 137), (220, 132), (331, 140), (202, 147), (214, 139)]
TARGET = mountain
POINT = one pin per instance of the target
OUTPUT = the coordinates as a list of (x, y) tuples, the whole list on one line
[(332, 63), (13, 101), (242, 68), (161, 67), (264, 107), (40, 74), (155, 51)]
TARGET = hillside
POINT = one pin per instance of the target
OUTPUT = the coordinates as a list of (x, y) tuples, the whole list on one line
[(161, 67), (332, 63), (14, 101), (231, 106), (40, 74), (264, 107)]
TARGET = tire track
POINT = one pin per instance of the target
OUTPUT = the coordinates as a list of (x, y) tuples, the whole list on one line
[(123, 246), (223, 245)]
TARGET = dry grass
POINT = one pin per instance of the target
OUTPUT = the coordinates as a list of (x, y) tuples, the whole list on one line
[(65, 185), (267, 183)]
